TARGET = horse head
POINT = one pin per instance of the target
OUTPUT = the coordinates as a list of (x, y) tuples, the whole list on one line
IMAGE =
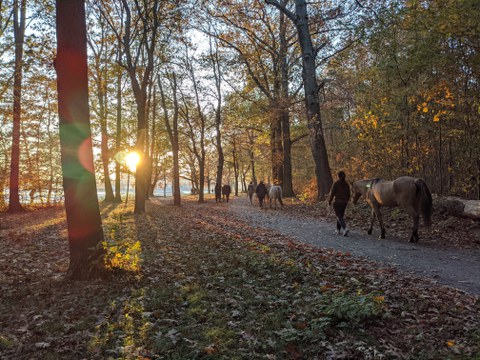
[(357, 192), (360, 188)]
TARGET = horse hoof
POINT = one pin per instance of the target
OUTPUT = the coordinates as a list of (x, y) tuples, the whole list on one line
[(382, 237), (369, 231)]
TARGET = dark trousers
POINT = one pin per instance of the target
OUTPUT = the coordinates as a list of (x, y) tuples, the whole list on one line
[(339, 209), (260, 200)]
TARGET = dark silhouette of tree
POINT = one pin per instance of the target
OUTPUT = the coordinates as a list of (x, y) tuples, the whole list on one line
[(85, 234), (19, 24), (310, 85)]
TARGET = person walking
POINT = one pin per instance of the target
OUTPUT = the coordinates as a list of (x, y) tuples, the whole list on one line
[(251, 191), (341, 193), (261, 192)]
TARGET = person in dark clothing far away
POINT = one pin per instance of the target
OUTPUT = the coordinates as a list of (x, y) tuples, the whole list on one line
[(251, 191), (226, 190), (218, 192), (261, 192), (341, 193)]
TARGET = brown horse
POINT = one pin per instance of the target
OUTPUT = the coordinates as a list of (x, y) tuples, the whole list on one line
[(409, 193)]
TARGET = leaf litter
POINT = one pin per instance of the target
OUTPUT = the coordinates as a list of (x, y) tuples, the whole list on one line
[(192, 282)]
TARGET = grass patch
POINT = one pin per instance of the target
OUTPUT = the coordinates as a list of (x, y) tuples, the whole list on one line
[(5, 343)]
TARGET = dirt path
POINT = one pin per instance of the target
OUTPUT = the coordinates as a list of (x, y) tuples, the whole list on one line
[(456, 268)]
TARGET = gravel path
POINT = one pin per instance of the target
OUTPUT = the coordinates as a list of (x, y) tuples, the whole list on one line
[(457, 268)]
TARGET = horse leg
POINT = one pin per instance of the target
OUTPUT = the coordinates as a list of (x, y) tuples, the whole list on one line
[(416, 217), (380, 220), (372, 219)]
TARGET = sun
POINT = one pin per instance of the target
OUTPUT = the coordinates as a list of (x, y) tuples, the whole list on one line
[(132, 159)]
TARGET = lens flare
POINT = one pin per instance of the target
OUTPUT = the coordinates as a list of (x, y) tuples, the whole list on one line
[(132, 159)]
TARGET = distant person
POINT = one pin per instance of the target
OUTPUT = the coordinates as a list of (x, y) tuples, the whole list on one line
[(261, 192), (226, 190), (218, 192), (341, 193), (251, 191)]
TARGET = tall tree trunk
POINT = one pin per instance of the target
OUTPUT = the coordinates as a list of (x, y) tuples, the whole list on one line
[(202, 154), (153, 152), (101, 94), (147, 41), (312, 101), (252, 156), (118, 137), (148, 149), (217, 71), (284, 116), (19, 18), (235, 166), (85, 234), (276, 147), (141, 171), (172, 130), (221, 157), (287, 156)]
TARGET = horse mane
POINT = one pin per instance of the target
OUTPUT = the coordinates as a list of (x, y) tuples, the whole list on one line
[(362, 186)]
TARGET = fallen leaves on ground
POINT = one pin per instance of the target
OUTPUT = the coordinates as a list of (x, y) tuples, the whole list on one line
[(198, 283)]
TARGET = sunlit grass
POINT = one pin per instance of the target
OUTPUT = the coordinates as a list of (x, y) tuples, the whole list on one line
[(123, 249)]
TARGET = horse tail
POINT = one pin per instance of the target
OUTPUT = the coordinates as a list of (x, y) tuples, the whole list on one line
[(426, 202), (280, 195)]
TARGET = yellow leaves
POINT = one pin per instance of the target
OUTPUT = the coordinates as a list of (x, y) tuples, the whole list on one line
[(450, 343), (437, 101), (368, 120)]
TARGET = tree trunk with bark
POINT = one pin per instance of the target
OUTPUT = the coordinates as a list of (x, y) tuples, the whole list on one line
[(172, 130), (105, 153), (19, 24), (118, 137), (85, 234), (312, 101), (284, 116)]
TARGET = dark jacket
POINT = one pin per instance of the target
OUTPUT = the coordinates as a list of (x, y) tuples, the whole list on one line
[(261, 190), (226, 190), (340, 191)]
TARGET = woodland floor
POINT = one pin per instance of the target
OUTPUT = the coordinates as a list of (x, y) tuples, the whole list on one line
[(199, 282)]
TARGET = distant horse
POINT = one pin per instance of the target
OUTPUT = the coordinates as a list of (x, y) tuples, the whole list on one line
[(409, 193), (275, 193), (226, 190)]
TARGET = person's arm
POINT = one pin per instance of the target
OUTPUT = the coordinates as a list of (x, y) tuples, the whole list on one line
[(332, 194)]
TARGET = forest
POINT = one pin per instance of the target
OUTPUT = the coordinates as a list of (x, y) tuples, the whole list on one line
[(217, 89), (119, 117)]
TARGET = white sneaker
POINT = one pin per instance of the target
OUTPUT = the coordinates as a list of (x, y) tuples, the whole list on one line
[(337, 232), (345, 232)]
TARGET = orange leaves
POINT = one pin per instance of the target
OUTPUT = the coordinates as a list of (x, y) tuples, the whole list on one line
[(437, 102)]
